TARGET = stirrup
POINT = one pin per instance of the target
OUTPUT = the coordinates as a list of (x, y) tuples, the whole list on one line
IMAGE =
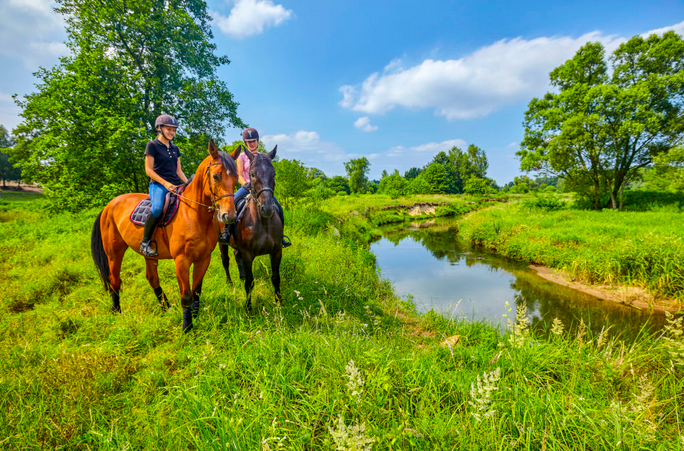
[(286, 242), (146, 249), (224, 238)]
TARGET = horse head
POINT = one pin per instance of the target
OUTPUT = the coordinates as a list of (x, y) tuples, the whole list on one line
[(222, 177), (262, 180)]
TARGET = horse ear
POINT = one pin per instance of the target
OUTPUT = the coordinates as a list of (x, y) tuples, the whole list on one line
[(236, 152), (272, 153), (249, 154), (213, 151)]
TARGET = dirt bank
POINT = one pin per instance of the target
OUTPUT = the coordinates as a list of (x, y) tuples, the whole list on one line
[(632, 296)]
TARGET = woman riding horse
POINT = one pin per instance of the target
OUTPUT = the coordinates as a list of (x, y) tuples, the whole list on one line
[(188, 239), (251, 139)]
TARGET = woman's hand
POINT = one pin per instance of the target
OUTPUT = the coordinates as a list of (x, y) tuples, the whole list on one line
[(170, 187)]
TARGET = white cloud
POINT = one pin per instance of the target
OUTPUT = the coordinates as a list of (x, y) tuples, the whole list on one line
[(503, 73), (30, 31), (250, 17), (435, 148), (363, 123), (678, 28)]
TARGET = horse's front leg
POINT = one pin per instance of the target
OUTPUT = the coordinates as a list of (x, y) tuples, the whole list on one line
[(183, 276), (199, 269), (275, 272), (240, 264), (247, 260), (225, 259)]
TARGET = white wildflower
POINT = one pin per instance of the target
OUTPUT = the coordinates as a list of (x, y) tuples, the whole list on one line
[(581, 332), (557, 327), (520, 329), (674, 338), (351, 438), (356, 381), (482, 394)]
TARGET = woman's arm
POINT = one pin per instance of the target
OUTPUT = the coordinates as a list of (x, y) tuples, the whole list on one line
[(149, 170), (180, 173), (240, 169)]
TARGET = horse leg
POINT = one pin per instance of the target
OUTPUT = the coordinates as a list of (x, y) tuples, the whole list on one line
[(240, 265), (225, 259), (183, 277), (275, 272), (247, 261), (114, 247), (199, 269), (153, 278)]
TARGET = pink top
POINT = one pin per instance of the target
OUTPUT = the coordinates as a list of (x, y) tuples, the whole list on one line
[(245, 166)]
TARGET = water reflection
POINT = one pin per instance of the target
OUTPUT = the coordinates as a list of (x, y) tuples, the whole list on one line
[(430, 263)]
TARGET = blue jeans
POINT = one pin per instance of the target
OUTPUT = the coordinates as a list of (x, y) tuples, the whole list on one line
[(240, 193), (157, 195)]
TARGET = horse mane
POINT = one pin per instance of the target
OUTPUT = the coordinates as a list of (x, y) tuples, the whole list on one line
[(228, 163)]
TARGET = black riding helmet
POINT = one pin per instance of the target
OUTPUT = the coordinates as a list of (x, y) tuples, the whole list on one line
[(166, 120)]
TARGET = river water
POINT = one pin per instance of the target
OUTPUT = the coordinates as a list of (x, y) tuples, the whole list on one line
[(428, 263)]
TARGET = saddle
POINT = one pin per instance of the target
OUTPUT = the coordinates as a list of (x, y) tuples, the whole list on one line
[(142, 211)]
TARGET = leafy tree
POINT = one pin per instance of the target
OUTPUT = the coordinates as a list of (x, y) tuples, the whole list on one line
[(393, 185), (667, 173), (5, 138), (412, 173), (292, 181), (357, 172), (599, 129), (419, 185), (435, 175), (459, 165), (476, 185), (339, 185), (7, 170), (84, 131)]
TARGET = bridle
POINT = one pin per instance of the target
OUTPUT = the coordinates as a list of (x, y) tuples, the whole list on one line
[(214, 199), (255, 194)]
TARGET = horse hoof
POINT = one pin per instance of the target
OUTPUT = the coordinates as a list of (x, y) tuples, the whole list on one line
[(116, 309), (187, 320)]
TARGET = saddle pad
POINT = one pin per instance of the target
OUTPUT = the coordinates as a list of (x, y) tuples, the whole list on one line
[(142, 211)]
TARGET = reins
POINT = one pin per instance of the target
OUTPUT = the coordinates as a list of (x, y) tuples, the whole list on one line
[(214, 200)]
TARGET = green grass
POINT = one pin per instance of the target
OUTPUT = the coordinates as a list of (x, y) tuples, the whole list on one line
[(74, 376), (598, 247)]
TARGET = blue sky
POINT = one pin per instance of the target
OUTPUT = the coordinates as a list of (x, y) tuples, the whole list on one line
[(393, 81)]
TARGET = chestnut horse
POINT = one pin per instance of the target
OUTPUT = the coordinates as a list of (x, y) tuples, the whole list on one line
[(188, 239), (258, 231)]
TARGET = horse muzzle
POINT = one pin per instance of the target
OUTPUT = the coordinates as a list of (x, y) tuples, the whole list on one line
[(266, 211), (227, 218)]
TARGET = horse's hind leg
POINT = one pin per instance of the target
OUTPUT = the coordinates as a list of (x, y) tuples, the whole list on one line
[(225, 259), (183, 277), (115, 248), (198, 271), (276, 257), (240, 264), (153, 278)]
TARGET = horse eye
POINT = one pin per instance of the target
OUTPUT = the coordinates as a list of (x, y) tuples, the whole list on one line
[(217, 177)]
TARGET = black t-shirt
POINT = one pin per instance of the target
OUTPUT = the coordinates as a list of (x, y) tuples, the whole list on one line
[(165, 160)]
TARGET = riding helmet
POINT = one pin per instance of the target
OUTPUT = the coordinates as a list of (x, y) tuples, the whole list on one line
[(166, 119), (249, 133)]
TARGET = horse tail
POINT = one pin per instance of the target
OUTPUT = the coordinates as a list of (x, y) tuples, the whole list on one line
[(99, 254)]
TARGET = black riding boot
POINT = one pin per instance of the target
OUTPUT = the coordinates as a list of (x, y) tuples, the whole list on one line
[(224, 238), (285, 243), (145, 247)]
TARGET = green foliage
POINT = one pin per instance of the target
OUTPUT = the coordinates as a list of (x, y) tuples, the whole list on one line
[(84, 131), (667, 173), (338, 184), (476, 185), (8, 172), (393, 185), (357, 173), (436, 177), (599, 129), (544, 202), (412, 173), (5, 138), (419, 185), (292, 180)]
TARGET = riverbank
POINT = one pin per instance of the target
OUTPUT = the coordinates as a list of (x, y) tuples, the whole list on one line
[(631, 257), (341, 364)]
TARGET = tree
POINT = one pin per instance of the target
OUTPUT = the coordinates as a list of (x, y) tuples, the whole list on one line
[(667, 174), (357, 172), (5, 138), (599, 129), (393, 185), (412, 173), (338, 184), (7, 170), (84, 131), (291, 179), (476, 185), (435, 175), (419, 185)]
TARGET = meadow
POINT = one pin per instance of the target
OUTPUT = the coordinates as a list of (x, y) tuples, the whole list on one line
[(341, 364)]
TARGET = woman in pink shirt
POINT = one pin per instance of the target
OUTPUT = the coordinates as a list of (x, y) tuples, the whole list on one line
[(251, 138)]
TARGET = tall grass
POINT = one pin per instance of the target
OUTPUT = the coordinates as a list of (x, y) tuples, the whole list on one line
[(605, 247), (342, 364)]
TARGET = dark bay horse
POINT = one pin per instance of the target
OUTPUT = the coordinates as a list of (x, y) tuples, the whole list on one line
[(259, 231), (188, 239)]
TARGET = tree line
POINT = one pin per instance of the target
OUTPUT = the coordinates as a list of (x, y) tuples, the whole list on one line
[(613, 122)]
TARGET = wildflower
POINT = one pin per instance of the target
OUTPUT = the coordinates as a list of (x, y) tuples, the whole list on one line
[(520, 329), (298, 295), (482, 394), (557, 327), (356, 381), (274, 438), (602, 339), (351, 438), (674, 338), (581, 332)]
